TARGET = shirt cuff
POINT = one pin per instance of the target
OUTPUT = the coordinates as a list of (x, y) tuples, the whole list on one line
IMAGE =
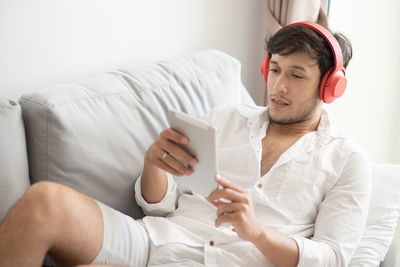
[(314, 253), (166, 205)]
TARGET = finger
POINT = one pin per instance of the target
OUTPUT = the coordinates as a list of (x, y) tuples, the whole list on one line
[(226, 218), (163, 160), (175, 136), (227, 184), (177, 151), (175, 164), (225, 193), (162, 165), (229, 208)]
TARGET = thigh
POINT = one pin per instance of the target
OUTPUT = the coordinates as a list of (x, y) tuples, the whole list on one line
[(125, 240)]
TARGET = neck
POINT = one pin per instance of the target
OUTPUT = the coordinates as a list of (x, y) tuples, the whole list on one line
[(300, 128)]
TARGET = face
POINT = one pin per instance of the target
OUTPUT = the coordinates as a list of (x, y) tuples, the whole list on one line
[(293, 84)]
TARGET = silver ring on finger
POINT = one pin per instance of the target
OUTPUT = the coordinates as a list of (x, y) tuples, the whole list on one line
[(164, 156)]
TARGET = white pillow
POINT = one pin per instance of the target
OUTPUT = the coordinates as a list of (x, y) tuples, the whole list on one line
[(383, 216)]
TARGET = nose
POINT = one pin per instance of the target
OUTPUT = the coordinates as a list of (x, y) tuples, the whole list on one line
[(278, 84)]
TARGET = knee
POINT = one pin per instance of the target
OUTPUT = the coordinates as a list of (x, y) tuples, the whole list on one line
[(41, 201), (43, 193)]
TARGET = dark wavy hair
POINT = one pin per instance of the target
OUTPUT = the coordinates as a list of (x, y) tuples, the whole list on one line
[(300, 38)]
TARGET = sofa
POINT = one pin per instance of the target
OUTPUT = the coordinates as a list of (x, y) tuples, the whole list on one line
[(92, 134)]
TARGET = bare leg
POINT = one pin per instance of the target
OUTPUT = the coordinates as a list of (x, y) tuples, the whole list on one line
[(52, 218)]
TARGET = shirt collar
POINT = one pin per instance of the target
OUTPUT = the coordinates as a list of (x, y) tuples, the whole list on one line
[(325, 125)]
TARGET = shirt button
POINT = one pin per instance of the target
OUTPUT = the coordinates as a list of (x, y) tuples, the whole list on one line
[(211, 243)]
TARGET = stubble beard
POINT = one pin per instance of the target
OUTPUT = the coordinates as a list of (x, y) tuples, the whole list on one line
[(302, 117)]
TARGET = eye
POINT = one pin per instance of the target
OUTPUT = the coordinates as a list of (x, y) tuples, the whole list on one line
[(273, 70), (297, 76)]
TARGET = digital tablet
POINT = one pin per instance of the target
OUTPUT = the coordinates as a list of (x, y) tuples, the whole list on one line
[(202, 144)]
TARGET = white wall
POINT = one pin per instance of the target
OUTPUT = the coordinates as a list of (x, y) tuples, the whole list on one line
[(370, 109), (44, 42)]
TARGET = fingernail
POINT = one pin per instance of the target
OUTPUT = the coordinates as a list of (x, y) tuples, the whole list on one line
[(192, 162), (183, 140), (218, 177), (188, 172)]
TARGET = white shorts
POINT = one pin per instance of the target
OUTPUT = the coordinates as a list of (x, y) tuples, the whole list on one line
[(125, 242)]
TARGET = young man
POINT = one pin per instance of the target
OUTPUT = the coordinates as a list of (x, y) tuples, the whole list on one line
[(297, 191)]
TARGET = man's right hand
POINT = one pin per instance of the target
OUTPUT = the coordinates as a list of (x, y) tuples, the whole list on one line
[(166, 150), (161, 157)]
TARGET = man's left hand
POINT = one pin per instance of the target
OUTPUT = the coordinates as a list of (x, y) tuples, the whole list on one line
[(234, 206)]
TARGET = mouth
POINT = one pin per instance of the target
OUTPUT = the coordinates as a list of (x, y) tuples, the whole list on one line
[(279, 101)]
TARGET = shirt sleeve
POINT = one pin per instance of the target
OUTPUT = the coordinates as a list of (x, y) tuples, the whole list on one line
[(167, 203), (341, 217)]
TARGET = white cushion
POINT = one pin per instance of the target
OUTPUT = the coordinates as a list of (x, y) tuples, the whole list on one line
[(383, 216)]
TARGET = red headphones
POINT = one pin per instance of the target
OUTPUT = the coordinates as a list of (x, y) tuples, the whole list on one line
[(333, 82)]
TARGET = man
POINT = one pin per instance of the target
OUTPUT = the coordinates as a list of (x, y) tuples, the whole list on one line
[(293, 191)]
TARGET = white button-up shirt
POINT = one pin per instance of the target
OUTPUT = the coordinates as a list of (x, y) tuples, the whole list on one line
[(317, 192)]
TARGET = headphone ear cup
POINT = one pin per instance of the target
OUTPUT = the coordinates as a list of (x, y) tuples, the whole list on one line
[(333, 85), (322, 85), (265, 68)]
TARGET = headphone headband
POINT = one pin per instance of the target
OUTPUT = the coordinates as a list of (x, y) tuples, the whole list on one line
[(328, 36)]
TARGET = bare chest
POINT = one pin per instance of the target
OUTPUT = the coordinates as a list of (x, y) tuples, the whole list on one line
[(272, 149)]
